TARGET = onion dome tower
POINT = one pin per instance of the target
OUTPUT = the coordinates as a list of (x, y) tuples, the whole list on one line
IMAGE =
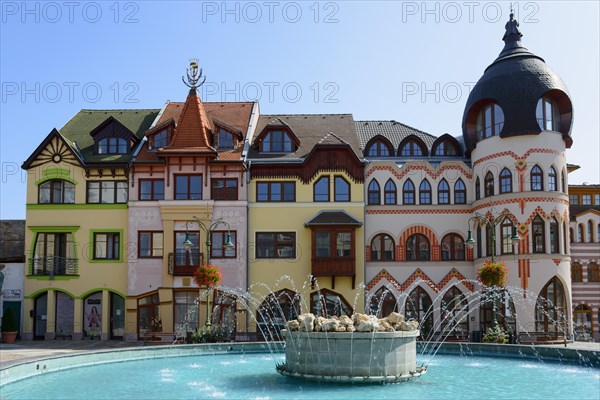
[(516, 127)]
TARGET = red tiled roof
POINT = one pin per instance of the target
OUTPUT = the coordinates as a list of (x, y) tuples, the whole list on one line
[(194, 128)]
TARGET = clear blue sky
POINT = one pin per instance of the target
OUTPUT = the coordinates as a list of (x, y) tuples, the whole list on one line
[(409, 61)]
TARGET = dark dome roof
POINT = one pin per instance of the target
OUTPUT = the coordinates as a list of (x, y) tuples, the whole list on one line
[(516, 80)]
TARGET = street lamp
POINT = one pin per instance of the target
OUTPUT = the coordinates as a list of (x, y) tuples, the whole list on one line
[(491, 225), (187, 244)]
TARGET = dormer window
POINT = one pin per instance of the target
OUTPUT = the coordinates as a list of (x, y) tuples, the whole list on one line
[(113, 146), (412, 148), (161, 139), (445, 148), (276, 142), (225, 140), (378, 149), (547, 115), (490, 121)]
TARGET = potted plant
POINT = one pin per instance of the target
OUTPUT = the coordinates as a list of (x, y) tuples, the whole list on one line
[(9, 327), (493, 273)]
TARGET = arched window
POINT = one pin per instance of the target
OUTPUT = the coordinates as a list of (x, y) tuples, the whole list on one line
[(445, 148), (580, 235), (418, 307), (477, 189), (590, 231), (538, 235), (551, 311), (341, 189), (382, 248), (505, 181), (489, 243), (453, 247), (506, 228), (321, 189), (443, 192), (389, 195), (497, 308), (582, 322), (412, 148), (460, 192), (378, 149), (547, 115), (56, 192), (576, 272), (554, 236), (479, 241), (592, 272), (327, 303), (374, 194), (563, 182), (455, 312), (408, 192), (552, 184), (277, 308), (276, 141), (571, 235), (565, 248), (425, 192), (417, 248), (488, 184), (537, 179), (383, 303), (490, 121)]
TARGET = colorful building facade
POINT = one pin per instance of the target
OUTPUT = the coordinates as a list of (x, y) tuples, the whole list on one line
[(327, 215)]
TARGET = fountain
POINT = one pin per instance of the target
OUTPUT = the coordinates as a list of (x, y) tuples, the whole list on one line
[(361, 349)]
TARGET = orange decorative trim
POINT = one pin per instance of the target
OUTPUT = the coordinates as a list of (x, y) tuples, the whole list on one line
[(428, 169), (516, 157)]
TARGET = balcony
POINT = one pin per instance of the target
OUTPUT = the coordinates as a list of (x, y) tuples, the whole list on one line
[(184, 263), (54, 266), (325, 266)]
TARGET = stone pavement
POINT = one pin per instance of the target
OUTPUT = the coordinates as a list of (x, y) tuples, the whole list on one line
[(21, 351)]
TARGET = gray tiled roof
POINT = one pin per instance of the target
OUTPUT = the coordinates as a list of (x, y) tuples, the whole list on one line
[(394, 131), (310, 129)]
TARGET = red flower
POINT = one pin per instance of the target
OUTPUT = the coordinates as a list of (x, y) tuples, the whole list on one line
[(493, 273), (207, 275)]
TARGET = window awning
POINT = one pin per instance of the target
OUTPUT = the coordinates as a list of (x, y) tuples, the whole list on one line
[(332, 217)]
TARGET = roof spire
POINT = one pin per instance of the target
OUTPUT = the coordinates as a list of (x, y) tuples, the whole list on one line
[(512, 34), (194, 81)]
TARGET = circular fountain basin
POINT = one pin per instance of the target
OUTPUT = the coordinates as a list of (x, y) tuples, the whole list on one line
[(356, 357)]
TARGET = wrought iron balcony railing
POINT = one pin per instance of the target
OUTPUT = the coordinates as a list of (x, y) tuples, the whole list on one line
[(54, 266)]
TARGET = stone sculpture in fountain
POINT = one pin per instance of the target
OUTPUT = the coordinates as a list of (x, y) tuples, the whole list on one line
[(361, 349)]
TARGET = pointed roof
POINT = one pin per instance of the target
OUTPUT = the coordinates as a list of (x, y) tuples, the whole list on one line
[(194, 128)]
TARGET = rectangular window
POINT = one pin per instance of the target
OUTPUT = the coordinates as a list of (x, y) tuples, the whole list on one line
[(107, 246), (275, 191), (218, 240), (185, 257), (151, 189), (597, 199), (54, 254), (586, 199), (107, 192), (224, 189), (225, 139), (276, 245), (574, 199), (188, 187), (150, 244), (185, 310), (344, 244), (322, 245)]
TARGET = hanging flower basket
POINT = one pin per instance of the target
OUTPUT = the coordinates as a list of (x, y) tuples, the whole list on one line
[(207, 275), (493, 273)]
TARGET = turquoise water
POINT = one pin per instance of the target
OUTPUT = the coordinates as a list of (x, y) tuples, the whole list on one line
[(253, 376)]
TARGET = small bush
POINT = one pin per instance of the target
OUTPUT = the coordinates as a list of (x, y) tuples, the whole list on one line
[(209, 334)]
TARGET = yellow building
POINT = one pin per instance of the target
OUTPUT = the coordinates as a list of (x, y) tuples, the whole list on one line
[(306, 215), (76, 234)]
